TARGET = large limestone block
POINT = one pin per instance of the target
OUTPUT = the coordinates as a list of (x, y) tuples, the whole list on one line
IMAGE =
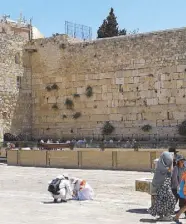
[(115, 117), (180, 100), (169, 84), (179, 115), (179, 84), (119, 81), (153, 101), (99, 117), (163, 100), (128, 80), (80, 90), (181, 68)]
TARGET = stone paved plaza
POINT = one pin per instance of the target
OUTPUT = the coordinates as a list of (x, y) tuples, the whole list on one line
[(24, 198)]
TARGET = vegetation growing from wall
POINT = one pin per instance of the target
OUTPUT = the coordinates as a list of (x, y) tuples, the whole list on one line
[(182, 128), (77, 115), (76, 95), (64, 116), (108, 128), (69, 103), (55, 86), (89, 91), (146, 128), (55, 106), (52, 87)]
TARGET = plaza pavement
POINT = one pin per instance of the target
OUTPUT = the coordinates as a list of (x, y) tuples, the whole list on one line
[(24, 198)]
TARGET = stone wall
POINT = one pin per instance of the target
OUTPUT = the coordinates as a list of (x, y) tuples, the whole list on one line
[(15, 89), (136, 80)]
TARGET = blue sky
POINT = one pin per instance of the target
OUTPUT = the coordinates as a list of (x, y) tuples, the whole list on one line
[(147, 15)]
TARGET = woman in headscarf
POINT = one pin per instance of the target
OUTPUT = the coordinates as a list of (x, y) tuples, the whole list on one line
[(164, 200)]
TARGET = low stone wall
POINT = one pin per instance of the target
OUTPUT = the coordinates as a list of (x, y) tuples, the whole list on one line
[(137, 161)]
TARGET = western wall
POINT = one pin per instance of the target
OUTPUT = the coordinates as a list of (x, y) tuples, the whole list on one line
[(135, 80)]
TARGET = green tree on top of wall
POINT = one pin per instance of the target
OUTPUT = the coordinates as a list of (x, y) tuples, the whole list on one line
[(109, 27)]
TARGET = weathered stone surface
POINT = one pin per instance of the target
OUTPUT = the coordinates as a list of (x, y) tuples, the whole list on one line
[(15, 86), (130, 83)]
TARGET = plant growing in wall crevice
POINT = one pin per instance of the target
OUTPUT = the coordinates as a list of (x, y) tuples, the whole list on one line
[(55, 106), (146, 128), (64, 116), (182, 128), (54, 86), (89, 91), (76, 95), (69, 103), (48, 88), (108, 128), (76, 115)]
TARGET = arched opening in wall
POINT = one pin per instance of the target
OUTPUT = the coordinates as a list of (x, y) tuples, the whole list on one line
[(17, 58)]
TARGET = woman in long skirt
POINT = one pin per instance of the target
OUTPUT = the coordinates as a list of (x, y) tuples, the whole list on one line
[(164, 202)]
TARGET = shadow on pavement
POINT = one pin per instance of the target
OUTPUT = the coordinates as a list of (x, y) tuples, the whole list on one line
[(138, 211), (48, 202), (148, 220)]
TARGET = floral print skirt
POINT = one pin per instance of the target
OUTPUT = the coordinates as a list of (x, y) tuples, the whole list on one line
[(164, 203)]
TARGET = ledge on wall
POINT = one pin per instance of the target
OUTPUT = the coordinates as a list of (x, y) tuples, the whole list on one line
[(30, 49)]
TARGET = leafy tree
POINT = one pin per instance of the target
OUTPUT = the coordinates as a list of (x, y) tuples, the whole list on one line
[(122, 32), (112, 25), (109, 27), (102, 29)]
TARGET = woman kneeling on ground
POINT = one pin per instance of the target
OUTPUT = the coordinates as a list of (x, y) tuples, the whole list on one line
[(164, 200)]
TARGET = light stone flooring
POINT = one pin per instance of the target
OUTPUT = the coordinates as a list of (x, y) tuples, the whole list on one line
[(24, 198)]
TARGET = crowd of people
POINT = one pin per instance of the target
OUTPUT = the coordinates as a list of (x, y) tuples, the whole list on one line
[(169, 187), (64, 188)]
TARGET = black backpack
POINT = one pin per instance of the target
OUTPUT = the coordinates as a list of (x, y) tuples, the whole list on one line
[(54, 186)]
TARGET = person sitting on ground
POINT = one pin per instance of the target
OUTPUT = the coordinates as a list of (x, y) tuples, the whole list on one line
[(177, 173), (164, 200), (182, 195), (60, 189), (81, 189)]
